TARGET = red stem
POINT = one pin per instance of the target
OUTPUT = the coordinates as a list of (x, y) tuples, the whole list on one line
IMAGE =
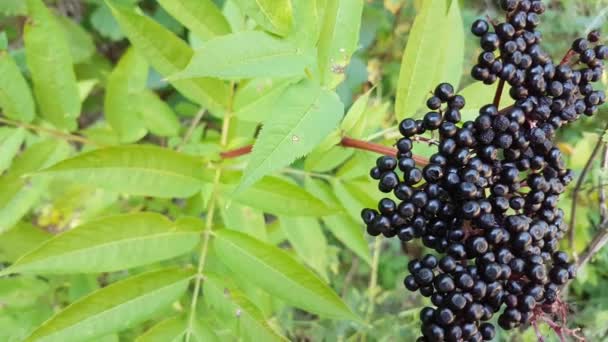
[(571, 53), (345, 142)]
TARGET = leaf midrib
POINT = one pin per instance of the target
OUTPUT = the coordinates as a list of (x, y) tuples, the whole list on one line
[(95, 247)]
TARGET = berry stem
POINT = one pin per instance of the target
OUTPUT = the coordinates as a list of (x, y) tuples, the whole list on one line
[(501, 87), (345, 142), (571, 53)]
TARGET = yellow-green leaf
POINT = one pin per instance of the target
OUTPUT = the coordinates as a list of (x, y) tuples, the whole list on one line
[(51, 68), (276, 272), (114, 308), (143, 170), (247, 54), (273, 15), (202, 17), (110, 244), (168, 55), (303, 116), (16, 99), (420, 59)]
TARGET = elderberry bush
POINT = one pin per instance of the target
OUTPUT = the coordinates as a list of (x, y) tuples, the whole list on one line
[(486, 201)]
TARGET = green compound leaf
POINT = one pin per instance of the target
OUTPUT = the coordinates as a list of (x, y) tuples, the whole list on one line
[(303, 116), (247, 54), (255, 100), (50, 65), (142, 170), (110, 244), (276, 272), (202, 17), (114, 308), (306, 237), (420, 59), (168, 54), (273, 15), (16, 100), (450, 65)]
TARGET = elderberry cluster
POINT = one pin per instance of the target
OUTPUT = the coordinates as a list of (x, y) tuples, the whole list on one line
[(487, 200)]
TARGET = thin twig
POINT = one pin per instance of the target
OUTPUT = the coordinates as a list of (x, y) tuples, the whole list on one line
[(577, 189), (354, 267), (197, 119), (603, 207), (373, 281), (50, 131)]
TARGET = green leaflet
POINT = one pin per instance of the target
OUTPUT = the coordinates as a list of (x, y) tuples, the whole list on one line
[(16, 99), (339, 39), (247, 54), (110, 244), (273, 15), (451, 60), (115, 307), (307, 21), (23, 237), (121, 108), (276, 272), (244, 219), (202, 17), (277, 196), (18, 193), (10, 144), (355, 113), (50, 67), (13, 7), (168, 55), (420, 59), (349, 231), (254, 101), (306, 236), (302, 117), (174, 329), (143, 170), (80, 41), (236, 312), (157, 115)]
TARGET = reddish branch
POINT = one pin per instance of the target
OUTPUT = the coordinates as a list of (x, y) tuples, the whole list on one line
[(345, 142), (501, 87)]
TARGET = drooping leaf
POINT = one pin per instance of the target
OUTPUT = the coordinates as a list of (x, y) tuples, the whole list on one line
[(420, 59), (143, 170), (273, 15), (276, 196), (303, 116), (478, 95), (126, 82), (110, 244), (16, 99), (158, 117), (10, 143), (254, 101), (309, 242), (353, 198), (50, 66), (450, 65), (322, 160), (168, 55), (115, 307), (236, 312), (17, 193), (350, 232), (247, 54), (339, 39), (278, 273), (80, 41), (202, 17)]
